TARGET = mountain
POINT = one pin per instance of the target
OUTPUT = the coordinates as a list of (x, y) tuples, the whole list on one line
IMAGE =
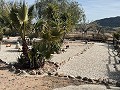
[(112, 22)]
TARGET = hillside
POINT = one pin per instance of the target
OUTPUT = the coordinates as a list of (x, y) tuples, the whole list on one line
[(112, 22)]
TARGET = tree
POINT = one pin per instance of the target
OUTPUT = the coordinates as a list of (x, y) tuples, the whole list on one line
[(51, 31), (70, 12), (53, 24), (116, 37), (85, 26), (16, 18)]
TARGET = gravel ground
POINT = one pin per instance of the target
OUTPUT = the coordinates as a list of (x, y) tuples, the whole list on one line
[(75, 48), (96, 62), (87, 87), (9, 54), (92, 60), (100, 61)]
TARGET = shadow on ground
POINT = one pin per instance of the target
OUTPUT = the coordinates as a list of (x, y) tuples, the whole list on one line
[(113, 66), (12, 50), (3, 65)]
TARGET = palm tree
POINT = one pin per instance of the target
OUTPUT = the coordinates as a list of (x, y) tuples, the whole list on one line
[(17, 18), (51, 25), (50, 33)]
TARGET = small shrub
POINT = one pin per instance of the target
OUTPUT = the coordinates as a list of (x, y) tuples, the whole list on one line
[(23, 62)]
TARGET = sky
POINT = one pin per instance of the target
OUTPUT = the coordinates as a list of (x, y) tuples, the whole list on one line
[(97, 9)]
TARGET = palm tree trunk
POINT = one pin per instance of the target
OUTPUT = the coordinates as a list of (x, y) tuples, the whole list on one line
[(25, 48), (24, 44), (25, 54)]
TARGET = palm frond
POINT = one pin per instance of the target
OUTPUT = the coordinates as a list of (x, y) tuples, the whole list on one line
[(14, 18), (23, 13), (30, 11)]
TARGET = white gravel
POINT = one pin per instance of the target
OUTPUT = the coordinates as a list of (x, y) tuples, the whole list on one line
[(9, 54), (96, 62), (75, 48), (87, 87)]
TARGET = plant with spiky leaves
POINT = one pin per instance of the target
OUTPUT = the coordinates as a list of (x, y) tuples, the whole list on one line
[(17, 18)]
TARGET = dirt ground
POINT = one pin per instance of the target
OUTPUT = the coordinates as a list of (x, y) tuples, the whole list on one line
[(11, 81)]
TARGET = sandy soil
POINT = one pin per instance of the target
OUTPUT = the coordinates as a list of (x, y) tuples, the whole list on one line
[(11, 81)]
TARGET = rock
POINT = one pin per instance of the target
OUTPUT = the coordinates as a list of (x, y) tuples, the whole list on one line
[(36, 78), (33, 72), (17, 45), (90, 80), (12, 68), (67, 46), (71, 77), (40, 72), (56, 65), (84, 50), (63, 50), (81, 53), (65, 76), (96, 80), (85, 79), (104, 81), (118, 84), (23, 72), (3, 62), (53, 70), (110, 81), (100, 80), (51, 62), (17, 71), (49, 73), (56, 74), (61, 75), (8, 45), (78, 77)]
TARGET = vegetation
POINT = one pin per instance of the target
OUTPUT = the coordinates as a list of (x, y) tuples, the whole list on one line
[(116, 38), (90, 31), (84, 26), (51, 24), (112, 22)]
